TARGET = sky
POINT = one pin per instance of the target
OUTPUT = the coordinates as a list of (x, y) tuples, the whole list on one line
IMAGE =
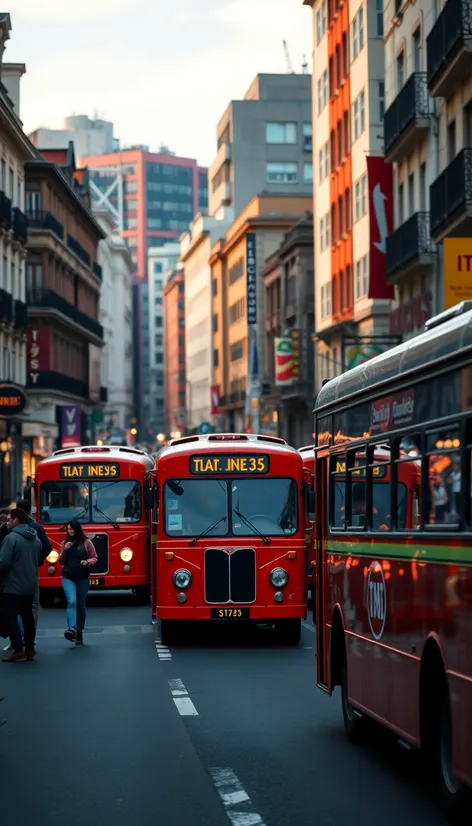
[(163, 72)]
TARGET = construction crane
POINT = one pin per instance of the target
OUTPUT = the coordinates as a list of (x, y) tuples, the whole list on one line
[(287, 58)]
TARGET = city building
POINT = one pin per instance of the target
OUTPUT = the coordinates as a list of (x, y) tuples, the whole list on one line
[(90, 136), (352, 296), (154, 196), (264, 143), (289, 328), (16, 445), (175, 399), (116, 320), (428, 139), (238, 311), (195, 254), (63, 281), (161, 261)]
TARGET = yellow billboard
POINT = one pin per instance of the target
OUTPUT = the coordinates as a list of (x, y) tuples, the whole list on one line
[(457, 271)]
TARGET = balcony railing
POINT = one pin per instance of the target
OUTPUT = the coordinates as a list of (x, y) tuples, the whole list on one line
[(451, 195), (5, 211), (51, 380), (21, 315), (6, 307), (78, 249), (409, 246), (45, 220), (20, 225), (240, 396), (54, 301), (449, 48), (97, 270), (408, 115)]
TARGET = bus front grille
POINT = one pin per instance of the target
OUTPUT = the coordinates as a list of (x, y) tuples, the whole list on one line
[(100, 541), (230, 575)]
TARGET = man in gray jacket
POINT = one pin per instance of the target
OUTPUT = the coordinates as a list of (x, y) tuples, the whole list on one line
[(20, 555)]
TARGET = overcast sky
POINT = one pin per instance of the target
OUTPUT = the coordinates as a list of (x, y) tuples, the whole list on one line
[(162, 71)]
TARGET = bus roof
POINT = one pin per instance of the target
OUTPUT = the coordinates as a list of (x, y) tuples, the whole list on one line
[(307, 451), (91, 452), (230, 442), (448, 334)]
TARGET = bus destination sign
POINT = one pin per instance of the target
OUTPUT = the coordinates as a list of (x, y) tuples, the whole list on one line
[(90, 470), (231, 463)]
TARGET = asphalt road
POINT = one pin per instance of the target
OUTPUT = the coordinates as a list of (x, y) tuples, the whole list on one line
[(125, 731)]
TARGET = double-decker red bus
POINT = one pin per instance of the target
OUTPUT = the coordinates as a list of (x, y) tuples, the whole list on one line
[(308, 457), (108, 490), (230, 534), (394, 546)]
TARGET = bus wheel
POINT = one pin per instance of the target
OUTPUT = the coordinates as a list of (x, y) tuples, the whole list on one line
[(452, 793), (142, 595), (289, 631), (171, 632), (47, 597), (354, 722)]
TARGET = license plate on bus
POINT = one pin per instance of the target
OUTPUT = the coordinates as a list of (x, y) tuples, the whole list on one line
[(230, 613), (97, 581)]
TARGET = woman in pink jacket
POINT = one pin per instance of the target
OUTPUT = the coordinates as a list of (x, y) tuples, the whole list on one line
[(77, 555)]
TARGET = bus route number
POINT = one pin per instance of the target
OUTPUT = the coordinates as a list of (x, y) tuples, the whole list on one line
[(210, 465)]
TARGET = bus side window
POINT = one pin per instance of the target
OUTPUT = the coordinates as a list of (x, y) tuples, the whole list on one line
[(357, 481), (310, 499), (408, 468), (381, 502), (444, 476), (338, 491)]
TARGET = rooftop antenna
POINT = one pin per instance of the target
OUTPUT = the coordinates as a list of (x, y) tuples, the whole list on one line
[(287, 58), (304, 65)]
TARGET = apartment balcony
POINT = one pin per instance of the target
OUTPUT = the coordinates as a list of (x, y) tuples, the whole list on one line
[(6, 308), (20, 225), (5, 211), (451, 199), (51, 380), (449, 49), (50, 300), (409, 248), (78, 250), (408, 118), (45, 221), (20, 315)]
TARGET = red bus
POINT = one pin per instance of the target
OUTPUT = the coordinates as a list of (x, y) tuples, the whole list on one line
[(308, 457), (230, 534), (108, 490), (394, 546)]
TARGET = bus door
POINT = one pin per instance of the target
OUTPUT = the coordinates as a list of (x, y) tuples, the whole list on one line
[(321, 531)]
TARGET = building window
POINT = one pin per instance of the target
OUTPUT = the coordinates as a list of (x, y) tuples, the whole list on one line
[(132, 223), (323, 306), (365, 280), (321, 23), (281, 132), (361, 27), (327, 233), (157, 267), (308, 173), (345, 55), (356, 119), (130, 206), (354, 39), (346, 133), (281, 173), (307, 137), (401, 206), (322, 233), (359, 115), (381, 93), (323, 91), (380, 18), (417, 50), (400, 70), (33, 202), (364, 194)]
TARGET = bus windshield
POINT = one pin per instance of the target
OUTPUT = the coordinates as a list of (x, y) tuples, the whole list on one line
[(270, 504), (90, 502)]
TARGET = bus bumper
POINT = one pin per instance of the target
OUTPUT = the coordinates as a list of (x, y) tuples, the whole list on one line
[(257, 613)]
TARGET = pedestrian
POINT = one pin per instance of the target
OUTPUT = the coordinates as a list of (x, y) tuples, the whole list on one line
[(19, 561), (46, 548), (3, 523), (77, 555)]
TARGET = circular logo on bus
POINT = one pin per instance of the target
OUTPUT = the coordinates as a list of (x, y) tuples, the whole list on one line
[(376, 600)]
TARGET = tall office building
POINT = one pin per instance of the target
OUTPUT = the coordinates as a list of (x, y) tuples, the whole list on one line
[(264, 143), (351, 185)]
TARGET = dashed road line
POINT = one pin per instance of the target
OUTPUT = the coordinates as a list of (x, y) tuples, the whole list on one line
[(162, 651), (182, 701), (233, 795)]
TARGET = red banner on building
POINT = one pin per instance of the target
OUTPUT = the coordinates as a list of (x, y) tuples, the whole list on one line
[(380, 185), (38, 353), (215, 400)]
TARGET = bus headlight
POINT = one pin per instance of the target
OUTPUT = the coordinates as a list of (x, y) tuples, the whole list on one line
[(182, 579), (53, 557), (126, 555), (278, 578)]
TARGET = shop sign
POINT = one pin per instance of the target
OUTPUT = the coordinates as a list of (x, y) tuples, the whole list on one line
[(457, 271), (284, 364), (13, 399), (251, 278), (38, 347)]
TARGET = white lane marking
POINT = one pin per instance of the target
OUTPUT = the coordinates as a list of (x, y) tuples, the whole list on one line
[(182, 701), (232, 794), (162, 651)]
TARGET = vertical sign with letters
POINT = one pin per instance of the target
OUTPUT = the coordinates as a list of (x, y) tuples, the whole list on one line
[(251, 278)]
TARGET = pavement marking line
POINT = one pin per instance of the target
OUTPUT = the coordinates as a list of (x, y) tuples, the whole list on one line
[(182, 701), (232, 794), (162, 651)]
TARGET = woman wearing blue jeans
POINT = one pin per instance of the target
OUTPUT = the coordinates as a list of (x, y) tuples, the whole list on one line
[(77, 555)]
